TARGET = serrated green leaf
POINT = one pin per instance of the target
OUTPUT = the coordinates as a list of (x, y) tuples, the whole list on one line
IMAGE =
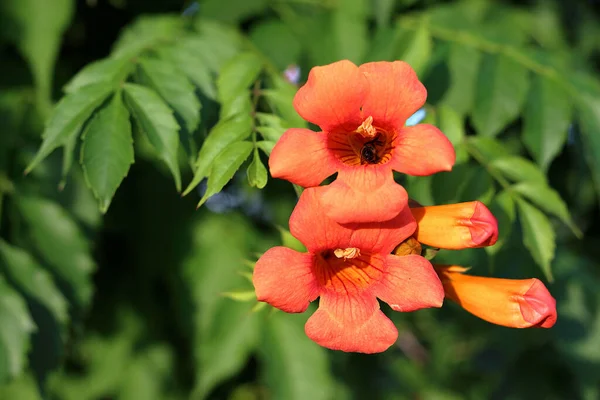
[(36, 27), (548, 200), (225, 166), (501, 92), (538, 236), (109, 71), (29, 276), (257, 172), (70, 112), (452, 125), (546, 120), (277, 42), (217, 43), (174, 88), (61, 243), (415, 48), (15, 327), (192, 65), (147, 32), (107, 151), (463, 64), (295, 368), (242, 104), (518, 169), (156, 119), (237, 75), (222, 135)]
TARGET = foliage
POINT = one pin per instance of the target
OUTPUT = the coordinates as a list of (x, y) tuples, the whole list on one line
[(113, 286)]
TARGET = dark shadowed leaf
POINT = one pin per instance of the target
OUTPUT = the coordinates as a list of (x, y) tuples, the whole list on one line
[(174, 88), (61, 244), (257, 172), (71, 112), (547, 119), (501, 92), (224, 167), (463, 63), (29, 276), (15, 327), (107, 150), (538, 236), (156, 120), (295, 367), (503, 208), (222, 135)]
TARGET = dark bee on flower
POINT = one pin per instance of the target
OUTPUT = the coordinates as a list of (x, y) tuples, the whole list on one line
[(368, 153)]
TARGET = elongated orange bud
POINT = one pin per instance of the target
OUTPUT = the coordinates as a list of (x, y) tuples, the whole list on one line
[(456, 226), (515, 303)]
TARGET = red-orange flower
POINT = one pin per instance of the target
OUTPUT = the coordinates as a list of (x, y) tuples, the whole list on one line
[(515, 303), (362, 112), (348, 267), (456, 226)]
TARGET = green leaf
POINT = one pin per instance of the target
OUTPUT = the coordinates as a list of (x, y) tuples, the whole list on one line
[(266, 146), (257, 173), (277, 42), (281, 99), (463, 64), (239, 295), (225, 166), (452, 125), (225, 331), (70, 112), (23, 388), (15, 327), (148, 32), (109, 71), (486, 148), (29, 276), (192, 65), (61, 243), (415, 48), (349, 29), (242, 104), (288, 240), (538, 236), (588, 111), (295, 368), (503, 208), (69, 155), (233, 11), (156, 119), (216, 43), (501, 92), (222, 135), (237, 75), (36, 27), (174, 88), (518, 169), (548, 200), (107, 150), (546, 120)]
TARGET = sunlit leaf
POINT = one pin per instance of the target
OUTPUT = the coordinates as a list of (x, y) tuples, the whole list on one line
[(546, 120), (109, 71), (237, 75), (501, 92), (224, 167), (71, 112), (156, 120), (518, 169), (107, 150), (15, 327), (29, 276), (538, 236), (257, 172)]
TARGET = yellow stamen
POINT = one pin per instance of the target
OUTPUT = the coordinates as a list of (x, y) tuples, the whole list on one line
[(350, 252), (366, 128)]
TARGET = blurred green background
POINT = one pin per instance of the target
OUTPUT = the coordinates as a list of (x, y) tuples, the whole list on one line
[(150, 299)]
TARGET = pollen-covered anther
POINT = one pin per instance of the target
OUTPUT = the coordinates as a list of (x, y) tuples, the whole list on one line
[(366, 129), (350, 252)]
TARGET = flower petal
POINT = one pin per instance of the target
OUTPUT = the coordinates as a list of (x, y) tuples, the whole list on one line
[(363, 194), (332, 96), (395, 93), (351, 324), (301, 157), (284, 278), (422, 150), (409, 283), (456, 226), (515, 303), (310, 225)]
